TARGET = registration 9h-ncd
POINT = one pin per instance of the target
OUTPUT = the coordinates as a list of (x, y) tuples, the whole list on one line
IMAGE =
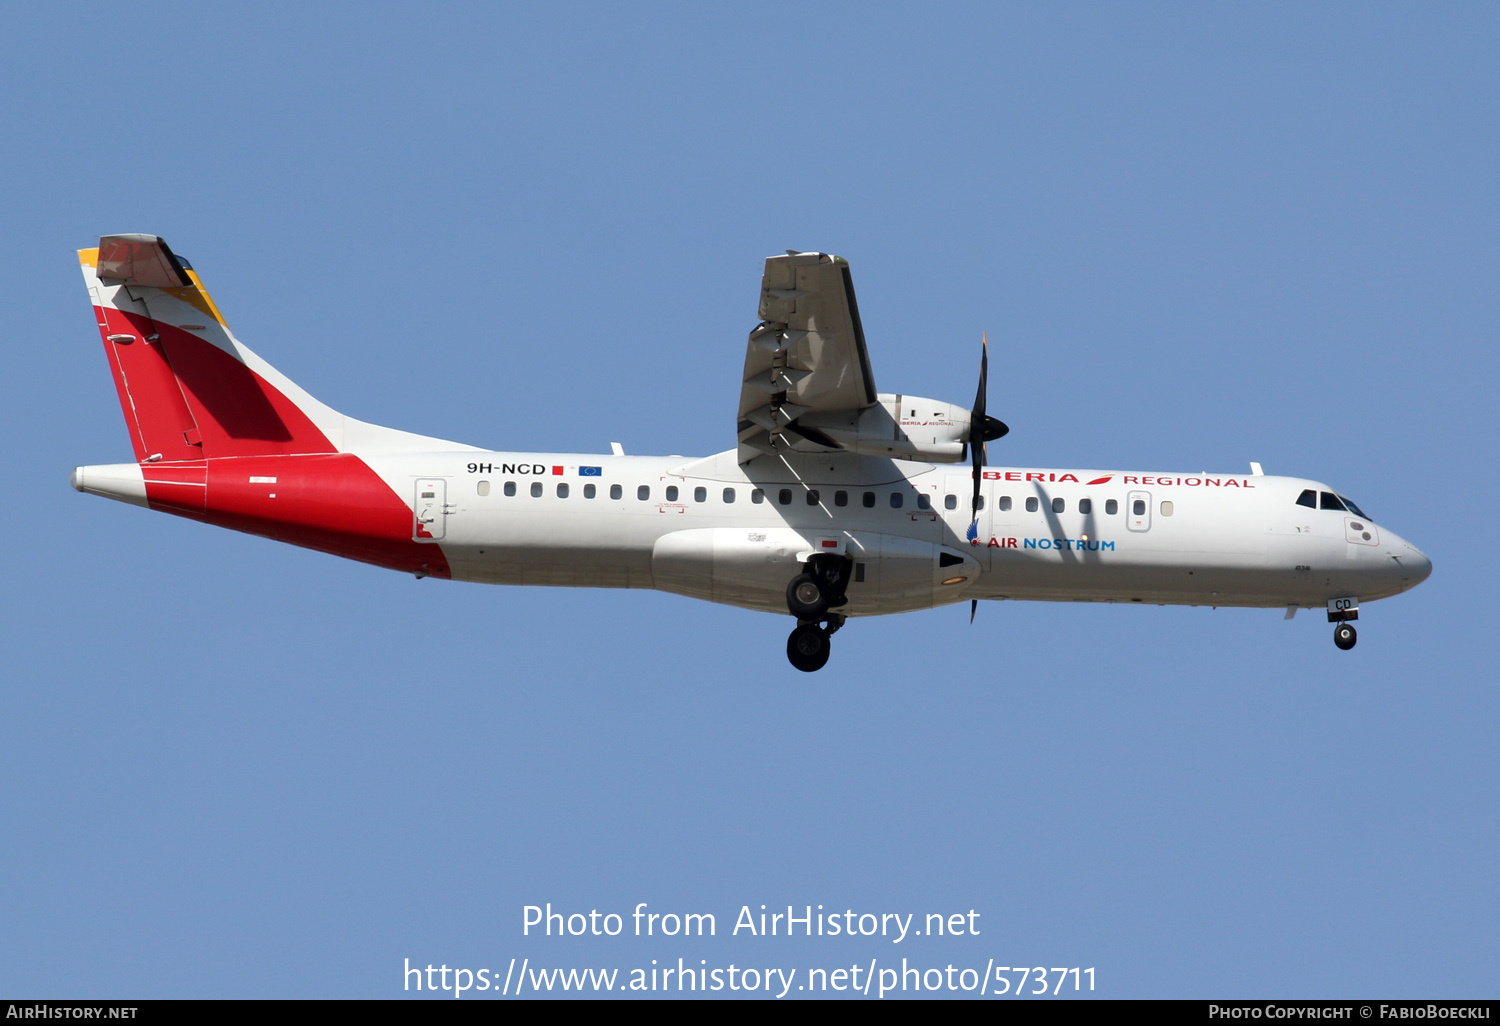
[(837, 500)]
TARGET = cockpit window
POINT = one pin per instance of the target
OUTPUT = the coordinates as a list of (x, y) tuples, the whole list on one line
[(1308, 498), (1355, 509), (1331, 501)]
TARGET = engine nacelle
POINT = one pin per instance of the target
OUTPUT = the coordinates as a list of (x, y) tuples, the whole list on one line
[(902, 427)]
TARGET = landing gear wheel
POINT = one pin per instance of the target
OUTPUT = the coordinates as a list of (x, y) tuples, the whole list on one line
[(806, 598), (1344, 636), (807, 648)]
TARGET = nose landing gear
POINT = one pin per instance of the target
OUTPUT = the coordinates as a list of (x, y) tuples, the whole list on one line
[(1340, 612)]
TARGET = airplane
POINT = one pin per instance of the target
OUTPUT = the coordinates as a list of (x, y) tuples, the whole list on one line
[(837, 500)]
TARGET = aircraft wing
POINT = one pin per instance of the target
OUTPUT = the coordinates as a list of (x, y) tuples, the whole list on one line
[(806, 355)]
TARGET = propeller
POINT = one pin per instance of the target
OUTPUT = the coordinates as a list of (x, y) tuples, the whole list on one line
[(982, 428)]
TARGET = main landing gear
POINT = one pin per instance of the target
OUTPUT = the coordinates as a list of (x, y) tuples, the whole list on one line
[(807, 646), (1344, 636), (809, 597)]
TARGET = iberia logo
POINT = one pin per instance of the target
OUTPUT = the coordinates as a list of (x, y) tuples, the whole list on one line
[(1044, 476)]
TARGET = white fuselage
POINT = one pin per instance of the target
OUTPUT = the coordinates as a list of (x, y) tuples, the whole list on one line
[(714, 529)]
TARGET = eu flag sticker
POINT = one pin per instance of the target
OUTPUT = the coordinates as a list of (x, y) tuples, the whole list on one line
[(590, 472)]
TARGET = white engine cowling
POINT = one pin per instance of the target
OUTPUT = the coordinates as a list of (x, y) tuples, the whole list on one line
[(903, 427)]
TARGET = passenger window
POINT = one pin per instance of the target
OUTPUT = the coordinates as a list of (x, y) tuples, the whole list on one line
[(729, 495), (562, 490), (643, 492), (1005, 503), (757, 496), (979, 505), (700, 494), (510, 488), (1111, 506), (1031, 504), (897, 500), (536, 489), (869, 500), (784, 496), (1138, 507), (923, 501), (950, 502), (1085, 506), (615, 491), (1331, 501), (1167, 508), (589, 491), (841, 498), (1308, 498), (671, 493), (483, 488), (1059, 505), (812, 496)]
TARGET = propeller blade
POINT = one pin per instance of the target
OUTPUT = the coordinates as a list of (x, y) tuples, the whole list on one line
[(982, 427), (973, 608), (977, 422), (984, 372)]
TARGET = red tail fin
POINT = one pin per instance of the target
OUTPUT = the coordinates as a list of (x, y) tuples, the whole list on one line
[(187, 387)]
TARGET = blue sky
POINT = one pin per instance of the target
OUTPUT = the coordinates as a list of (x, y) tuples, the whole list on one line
[(1196, 235)]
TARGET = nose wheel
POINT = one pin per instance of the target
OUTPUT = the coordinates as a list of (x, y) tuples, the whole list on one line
[(1344, 636), (1340, 612)]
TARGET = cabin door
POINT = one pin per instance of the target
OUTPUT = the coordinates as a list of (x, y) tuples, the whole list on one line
[(429, 512)]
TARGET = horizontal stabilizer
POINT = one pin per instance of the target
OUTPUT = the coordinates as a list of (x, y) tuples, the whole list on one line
[(141, 260)]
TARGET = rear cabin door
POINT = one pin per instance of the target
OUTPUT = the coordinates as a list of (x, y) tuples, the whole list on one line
[(1138, 511), (428, 512)]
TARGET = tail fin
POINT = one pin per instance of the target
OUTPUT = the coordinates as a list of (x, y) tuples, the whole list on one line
[(189, 389)]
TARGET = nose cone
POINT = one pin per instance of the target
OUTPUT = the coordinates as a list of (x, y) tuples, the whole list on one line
[(1421, 566), (1414, 564)]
